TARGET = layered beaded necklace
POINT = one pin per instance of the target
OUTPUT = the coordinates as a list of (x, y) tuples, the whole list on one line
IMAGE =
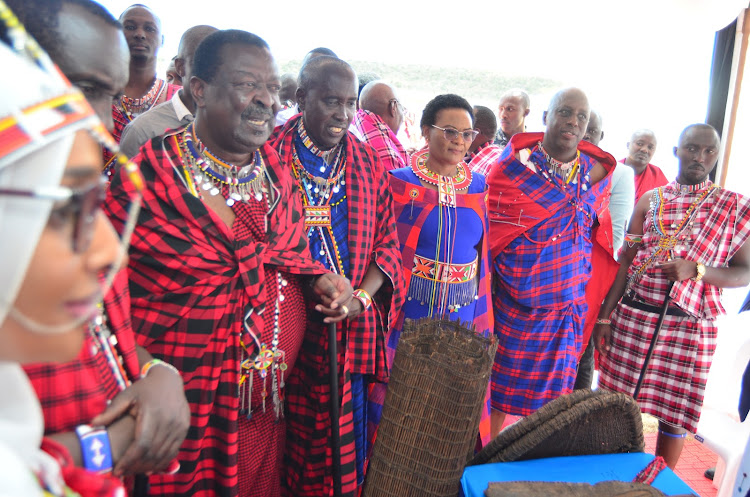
[(446, 185), (565, 170), (212, 175), (133, 107), (320, 196), (669, 239)]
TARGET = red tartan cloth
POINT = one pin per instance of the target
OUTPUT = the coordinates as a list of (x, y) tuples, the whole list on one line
[(371, 237), (376, 133), (675, 381), (603, 266), (72, 393), (192, 281), (651, 177), (485, 157)]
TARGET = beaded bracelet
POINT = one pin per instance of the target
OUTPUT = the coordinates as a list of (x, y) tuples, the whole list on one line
[(603, 321), (158, 362), (96, 451), (363, 297)]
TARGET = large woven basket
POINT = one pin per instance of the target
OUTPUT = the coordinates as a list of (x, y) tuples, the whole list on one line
[(583, 423), (430, 420)]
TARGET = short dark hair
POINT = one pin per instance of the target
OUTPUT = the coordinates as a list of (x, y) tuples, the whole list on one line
[(485, 121), (323, 51), (309, 75), (207, 59), (447, 101), (698, 126), (41, 18)]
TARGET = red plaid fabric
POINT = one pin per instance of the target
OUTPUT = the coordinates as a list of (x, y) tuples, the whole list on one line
[(675, 381), (72, 393), (371, 238), (376, 133), (485, 157), (720, 227), (541, 238), (192, 280)]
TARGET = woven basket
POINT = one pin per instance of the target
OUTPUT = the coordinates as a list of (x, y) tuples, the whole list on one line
[(432, 409), (583, 423), (558, 489)]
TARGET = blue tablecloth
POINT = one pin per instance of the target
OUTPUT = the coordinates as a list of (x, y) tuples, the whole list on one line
[(574, 469)]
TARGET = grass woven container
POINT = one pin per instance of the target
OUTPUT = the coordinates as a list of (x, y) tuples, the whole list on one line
[(584, 422), (432, 409)]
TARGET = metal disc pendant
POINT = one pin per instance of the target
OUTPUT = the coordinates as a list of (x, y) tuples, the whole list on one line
[(258, 196), (246, 197), (322, 169), (322, 252), (309, 186), (316, 190), (214, 191), (236, 196), (336, 189), (230, 202), (206, 186)]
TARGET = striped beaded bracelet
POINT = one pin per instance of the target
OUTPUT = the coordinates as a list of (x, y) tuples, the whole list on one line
[(157, 362), (363, 297)]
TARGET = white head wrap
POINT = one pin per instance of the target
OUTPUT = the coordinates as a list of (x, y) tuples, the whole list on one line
[(36, 135)]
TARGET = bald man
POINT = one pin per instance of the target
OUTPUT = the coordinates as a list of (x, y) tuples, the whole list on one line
[(144, 90), (284, 115), (377, 122), (641, 149), (512, 111), (351, 230), (603, 268), (179, 110), (483, 153), (545, 196)]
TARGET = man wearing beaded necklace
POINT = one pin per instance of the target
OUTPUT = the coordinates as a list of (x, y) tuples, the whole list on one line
[(144, 89), (351, 230), (691, 233), (175, 113), (545, 196), (218, 268)]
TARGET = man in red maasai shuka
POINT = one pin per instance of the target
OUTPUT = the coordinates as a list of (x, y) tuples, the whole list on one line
[(351, 230), (219, 267)]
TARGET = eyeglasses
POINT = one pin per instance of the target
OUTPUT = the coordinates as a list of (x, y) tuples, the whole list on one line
[(82, 206), (451, 134)]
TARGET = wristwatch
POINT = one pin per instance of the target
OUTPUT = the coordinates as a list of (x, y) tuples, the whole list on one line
[(700, 270)]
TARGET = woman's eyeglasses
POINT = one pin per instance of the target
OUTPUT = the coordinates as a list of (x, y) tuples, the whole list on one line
[(82, 206), (451, 134)]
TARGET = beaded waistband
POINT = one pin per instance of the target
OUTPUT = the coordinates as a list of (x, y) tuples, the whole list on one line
[(443, 271)]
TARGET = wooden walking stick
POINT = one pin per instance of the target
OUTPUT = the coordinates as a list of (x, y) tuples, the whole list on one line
[(654, 338), (334, 408)]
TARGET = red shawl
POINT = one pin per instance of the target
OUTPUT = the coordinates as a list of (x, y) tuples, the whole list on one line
[(371, 238), (191, 284)]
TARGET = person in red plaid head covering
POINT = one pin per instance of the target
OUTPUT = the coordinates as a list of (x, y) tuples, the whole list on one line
[(351, 230), (690, 232), (219, 269)]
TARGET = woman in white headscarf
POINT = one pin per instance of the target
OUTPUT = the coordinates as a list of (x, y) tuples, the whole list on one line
[(54, 244)]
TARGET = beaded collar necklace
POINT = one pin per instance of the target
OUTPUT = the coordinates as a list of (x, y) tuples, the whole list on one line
[(212, 174), (331, 157), (691, 188), (132, 107), (447, 185), (565, 170)]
